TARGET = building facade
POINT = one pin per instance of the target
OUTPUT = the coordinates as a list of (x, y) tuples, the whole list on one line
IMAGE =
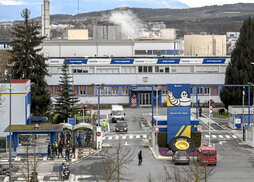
[(205, 45), (15, 103), (132, 80)]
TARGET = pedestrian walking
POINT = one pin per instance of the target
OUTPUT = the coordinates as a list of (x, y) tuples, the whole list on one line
[(200, 111), (55, 148), (68, 138), (67, 154), (49, 152), (79, 140), (140, 158), (60, 151), (104, 125), (60, 170), (73, 152), (61, 142)]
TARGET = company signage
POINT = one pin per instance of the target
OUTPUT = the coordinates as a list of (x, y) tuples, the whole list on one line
[(214, 60), (76, 61), (178, 110), (168, 61), (122, 61)]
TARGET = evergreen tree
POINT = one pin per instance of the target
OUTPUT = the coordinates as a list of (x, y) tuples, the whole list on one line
[(27, 63), (66, 100), (240, 70)]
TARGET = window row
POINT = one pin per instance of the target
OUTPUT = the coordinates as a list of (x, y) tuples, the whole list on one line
[(142, 69), (88, 90)]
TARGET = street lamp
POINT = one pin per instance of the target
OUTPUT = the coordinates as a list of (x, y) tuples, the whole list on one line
[(243, 122), (10, 134), (99, 94)]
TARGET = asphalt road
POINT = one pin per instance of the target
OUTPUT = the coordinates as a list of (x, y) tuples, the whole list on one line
[(235, 159)]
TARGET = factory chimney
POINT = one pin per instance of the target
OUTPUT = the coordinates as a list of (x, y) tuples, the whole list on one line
[(45, 19)]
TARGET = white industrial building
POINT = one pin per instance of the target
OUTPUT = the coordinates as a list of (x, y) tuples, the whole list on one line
[(18, 110)]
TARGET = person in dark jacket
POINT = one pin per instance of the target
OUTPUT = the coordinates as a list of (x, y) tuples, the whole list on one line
[(49, 152), (60, 151), (67, 153), (140, 158)]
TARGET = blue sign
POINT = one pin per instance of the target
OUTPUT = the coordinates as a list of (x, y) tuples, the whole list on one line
[(76, 61), (178, 110), (122, 61), (211, 115), (72, 121), (168, 61), (214, 61)]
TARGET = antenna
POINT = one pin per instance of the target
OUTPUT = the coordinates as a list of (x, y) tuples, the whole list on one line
[(78, 6)]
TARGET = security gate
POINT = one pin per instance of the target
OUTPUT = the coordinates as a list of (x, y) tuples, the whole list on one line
[(145, 99)]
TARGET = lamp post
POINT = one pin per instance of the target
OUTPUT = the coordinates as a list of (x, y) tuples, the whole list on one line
[(243, 122), (10, 134)]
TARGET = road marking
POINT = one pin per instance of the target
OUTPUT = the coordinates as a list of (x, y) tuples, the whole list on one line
[(221, 136), (207, 136), (220, 143), (234, 136), (227, 136), (117, 137), (126, 143), (144, 136), (103, 138), (213, 136), (137, 136), (131, 136), (110, 137), (124, 137)]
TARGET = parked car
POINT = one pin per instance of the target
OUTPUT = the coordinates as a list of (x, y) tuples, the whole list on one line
[(121, 126), (181, 157)]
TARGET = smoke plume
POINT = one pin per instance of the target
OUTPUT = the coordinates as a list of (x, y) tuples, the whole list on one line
[(131, 26)]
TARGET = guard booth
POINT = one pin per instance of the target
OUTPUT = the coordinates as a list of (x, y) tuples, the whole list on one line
[(238, 115), (33, 138)]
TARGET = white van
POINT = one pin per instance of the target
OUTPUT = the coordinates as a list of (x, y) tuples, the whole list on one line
[(117, 113)]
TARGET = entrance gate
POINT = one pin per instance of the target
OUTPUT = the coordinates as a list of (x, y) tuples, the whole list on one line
[(145, 99)]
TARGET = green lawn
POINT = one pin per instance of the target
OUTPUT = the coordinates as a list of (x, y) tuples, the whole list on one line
[(223, 116)]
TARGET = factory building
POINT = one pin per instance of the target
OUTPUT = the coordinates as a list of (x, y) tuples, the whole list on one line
[(128, 80)]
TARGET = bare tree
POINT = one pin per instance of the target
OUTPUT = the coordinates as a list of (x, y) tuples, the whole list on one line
[(4, 61), (116, 161), (30, 164)]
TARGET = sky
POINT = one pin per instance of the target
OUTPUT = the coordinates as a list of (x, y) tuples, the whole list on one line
[(10, 9)]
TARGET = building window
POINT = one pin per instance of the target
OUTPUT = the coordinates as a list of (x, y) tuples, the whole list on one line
[(125, 91), (207, 90), (114, 91), (82, 90), (107, 90), (145, 69), (200, 90)]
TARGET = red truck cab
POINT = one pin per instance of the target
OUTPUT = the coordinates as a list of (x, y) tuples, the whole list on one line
[(207, 155)]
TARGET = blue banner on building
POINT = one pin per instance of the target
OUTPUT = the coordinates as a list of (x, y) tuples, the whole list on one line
[(168, 61), (178, 110), (122, 61), (214, 61), (76, 61)]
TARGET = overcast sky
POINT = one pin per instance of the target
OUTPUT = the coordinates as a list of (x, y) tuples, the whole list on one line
[(10, 9)]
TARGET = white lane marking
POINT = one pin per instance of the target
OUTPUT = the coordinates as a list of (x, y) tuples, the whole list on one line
[(131, 136), (137, 136), (221, 136), (117, 137), (220, 143), (110, 137), (124, 137), (126, 143), (207, 136), (213, 136), (227, 136), (103, 138), (144, 136), (234, 136)]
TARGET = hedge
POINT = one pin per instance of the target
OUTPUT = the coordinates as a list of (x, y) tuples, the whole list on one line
[(2, 142), (196, 137), (162, 139)]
